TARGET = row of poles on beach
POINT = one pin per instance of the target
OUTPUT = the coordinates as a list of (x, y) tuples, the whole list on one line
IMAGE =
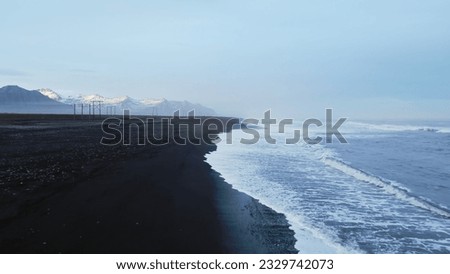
[(92, 110)]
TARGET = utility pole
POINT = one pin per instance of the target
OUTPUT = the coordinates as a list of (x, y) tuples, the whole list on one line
[(97, 105)]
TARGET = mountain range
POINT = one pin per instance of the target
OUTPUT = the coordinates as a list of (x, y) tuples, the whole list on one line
[(14, 99)]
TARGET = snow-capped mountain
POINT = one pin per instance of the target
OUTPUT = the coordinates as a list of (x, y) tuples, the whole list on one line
[(50, 94), (147, 106), (14, 99)]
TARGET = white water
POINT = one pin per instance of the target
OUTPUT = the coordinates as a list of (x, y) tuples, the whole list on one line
[(398, 192), (332, 206)]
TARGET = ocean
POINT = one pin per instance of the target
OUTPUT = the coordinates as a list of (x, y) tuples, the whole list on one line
[(386, 191)]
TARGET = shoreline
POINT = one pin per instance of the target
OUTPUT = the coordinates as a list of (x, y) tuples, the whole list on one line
[(76, 196), (269, 230), (250, 226)]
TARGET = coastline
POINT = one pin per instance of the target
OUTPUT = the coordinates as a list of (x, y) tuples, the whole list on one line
[(250, 226), (76, 196)]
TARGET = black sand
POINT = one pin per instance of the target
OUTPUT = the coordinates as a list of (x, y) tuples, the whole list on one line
[(61, 191)]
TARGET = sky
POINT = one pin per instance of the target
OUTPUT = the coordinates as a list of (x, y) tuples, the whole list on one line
[(365, 59)]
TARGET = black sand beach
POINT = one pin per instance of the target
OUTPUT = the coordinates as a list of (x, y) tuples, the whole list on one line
[(61, 191)]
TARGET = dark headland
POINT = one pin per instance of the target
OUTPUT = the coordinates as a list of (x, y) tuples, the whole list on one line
[(61, 191)]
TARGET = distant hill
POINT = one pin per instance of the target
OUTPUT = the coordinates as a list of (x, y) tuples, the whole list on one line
[(136, 106), (50, 94), (14, 99)]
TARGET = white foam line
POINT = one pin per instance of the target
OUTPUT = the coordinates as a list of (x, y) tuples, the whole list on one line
[(394, 128), (397, 192), (312, 240)]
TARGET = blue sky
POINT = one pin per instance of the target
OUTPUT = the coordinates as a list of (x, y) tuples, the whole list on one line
[(366, 59)]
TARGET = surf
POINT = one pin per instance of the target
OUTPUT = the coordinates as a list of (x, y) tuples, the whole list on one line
[(400, 193)]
